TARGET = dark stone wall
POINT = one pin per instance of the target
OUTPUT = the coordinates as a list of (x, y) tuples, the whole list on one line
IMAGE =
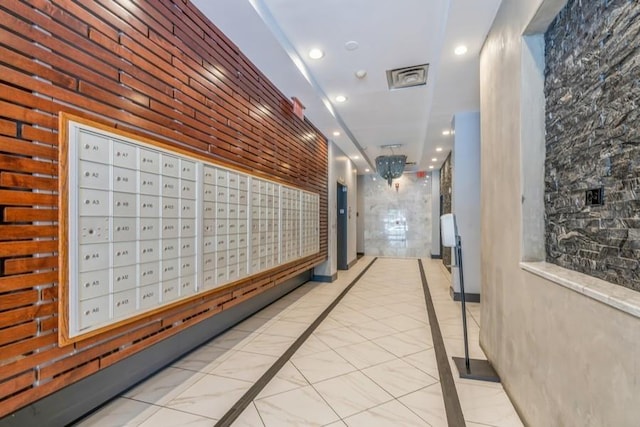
[(446, 179), (592, 88)]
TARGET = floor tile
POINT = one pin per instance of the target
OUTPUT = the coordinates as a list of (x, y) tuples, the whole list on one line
[(253, 324), (389, 414), (233, 339), (401, 344), (455, 330), (204, 358), (212, 396), (288, 378), (428, 404), (373, 329), (248, 418), (425, 361), (398, 377), (244, 366), (164, 386), (351, 393), (339, 337), (321, 366), (311, 345), (286, 328), (379, 312), (364, 354), (351, 317), (302, 315), (455, 348), (120, 412), (271, 345), (487, 406), (329, 323), (166, 417), (404, 323), (300, 407)]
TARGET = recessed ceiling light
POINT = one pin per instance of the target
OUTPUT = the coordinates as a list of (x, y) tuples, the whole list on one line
[(316, 53), (460, 50), (361, 74), (367, 170), (356, 157), (336, 133), (446, 132), (434, 159), (431, 167), (351, 45), (341, 98), (438, 149)]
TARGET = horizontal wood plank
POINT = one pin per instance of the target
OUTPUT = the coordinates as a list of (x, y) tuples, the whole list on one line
[(19, 332), (29, 214), (18, 299), (26, 314), (25, 265), (18, 383), (21, 232)]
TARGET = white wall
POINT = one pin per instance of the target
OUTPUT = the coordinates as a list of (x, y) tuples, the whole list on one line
[(342, 170), (465, 197), (564, 358), (435, 213)]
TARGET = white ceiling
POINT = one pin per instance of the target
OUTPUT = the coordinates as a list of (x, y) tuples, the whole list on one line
[(276, 35)]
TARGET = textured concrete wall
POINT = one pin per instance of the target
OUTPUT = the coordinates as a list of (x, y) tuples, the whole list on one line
[(593, 139), (565, 359), (446, 187)]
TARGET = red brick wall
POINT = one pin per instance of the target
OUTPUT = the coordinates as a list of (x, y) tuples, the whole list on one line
[(155, 68)]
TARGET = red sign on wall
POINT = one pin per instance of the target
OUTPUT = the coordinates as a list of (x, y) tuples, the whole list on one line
[(298, 108)]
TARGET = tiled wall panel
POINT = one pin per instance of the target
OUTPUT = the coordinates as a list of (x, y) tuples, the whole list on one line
[(157, 69)]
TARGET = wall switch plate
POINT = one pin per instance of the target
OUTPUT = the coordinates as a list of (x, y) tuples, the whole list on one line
[(594, 197)]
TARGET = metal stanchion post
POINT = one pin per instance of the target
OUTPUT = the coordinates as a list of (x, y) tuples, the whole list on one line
[(475, 369)]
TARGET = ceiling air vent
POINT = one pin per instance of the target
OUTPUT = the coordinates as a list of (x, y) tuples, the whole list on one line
[(407, 77)]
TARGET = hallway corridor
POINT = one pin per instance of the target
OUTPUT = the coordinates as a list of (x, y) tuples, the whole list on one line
[(370, 362)]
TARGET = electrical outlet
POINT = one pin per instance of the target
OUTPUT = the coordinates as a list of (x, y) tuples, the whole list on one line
[(594, 197)]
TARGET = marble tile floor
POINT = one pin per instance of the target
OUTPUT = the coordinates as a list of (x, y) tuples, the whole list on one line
[(371, 362)]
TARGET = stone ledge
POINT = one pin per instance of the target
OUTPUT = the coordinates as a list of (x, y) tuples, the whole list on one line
[(616, 296)]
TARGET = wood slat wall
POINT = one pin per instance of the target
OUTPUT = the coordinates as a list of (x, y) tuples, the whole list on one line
[(156, 68)]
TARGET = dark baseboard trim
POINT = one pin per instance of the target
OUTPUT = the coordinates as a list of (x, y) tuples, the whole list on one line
[(325, 279), (468, 297), (352, 263), (79, 399), (436, 256)]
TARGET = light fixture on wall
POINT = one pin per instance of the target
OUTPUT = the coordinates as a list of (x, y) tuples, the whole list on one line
[(391, 167)]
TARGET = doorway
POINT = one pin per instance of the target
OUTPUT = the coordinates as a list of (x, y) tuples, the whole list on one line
[(343, 220)]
